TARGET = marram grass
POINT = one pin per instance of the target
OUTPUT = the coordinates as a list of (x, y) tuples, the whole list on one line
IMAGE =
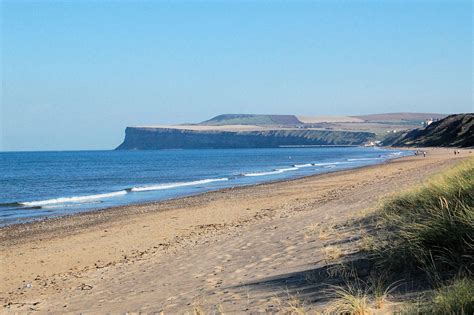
[(431, 227), (454, 298), (428, 231)]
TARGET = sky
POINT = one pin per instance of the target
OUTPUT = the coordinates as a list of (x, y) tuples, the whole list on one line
[(75, 73)]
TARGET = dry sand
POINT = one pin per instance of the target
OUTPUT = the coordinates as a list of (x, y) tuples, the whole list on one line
[(242, 250)]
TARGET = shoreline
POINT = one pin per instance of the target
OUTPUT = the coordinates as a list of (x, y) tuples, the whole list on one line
[(50, 220), (180, 241), (168, 204)]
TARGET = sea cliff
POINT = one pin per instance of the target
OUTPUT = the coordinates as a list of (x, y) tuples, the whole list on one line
[(145, 138)]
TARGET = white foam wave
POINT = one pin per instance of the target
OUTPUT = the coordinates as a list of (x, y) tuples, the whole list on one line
[(303, 165), (72, 199), (175, 185), (262, 173), (326, 164), (286, 169), (277, 171)]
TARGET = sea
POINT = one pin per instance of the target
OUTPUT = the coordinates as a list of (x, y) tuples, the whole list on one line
[(38, 185)]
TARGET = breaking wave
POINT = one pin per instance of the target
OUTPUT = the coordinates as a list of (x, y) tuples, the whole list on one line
[(303, 165), (175, 185), (72, 199), (277, 171)]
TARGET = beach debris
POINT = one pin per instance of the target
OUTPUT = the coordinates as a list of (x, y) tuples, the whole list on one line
[(28, 285), (84, 286)]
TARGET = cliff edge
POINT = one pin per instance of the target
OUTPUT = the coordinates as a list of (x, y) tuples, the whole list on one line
[(147, 138)]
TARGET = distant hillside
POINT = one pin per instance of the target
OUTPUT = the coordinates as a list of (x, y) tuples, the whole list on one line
[(247, 119), (400, 117), (293, 120), (452, 131), (328, 119)]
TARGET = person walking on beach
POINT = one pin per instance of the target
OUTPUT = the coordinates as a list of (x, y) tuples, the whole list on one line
[(424, 153)]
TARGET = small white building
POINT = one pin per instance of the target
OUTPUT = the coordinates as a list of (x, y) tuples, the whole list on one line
[(428, 122)]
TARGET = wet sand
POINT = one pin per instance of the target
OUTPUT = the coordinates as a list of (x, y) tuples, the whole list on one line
[(238, 250)]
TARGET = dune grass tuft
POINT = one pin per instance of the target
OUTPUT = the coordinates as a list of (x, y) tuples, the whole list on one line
[(360, 297), (431, 227), (332, 253), (457, 298), (425, 235), (349, 299), (294, 307)]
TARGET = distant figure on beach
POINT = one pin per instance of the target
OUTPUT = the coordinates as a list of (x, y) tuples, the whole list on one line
[(424, 153)]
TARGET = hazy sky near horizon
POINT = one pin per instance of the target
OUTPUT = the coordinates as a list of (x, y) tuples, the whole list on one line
[(76, 73)]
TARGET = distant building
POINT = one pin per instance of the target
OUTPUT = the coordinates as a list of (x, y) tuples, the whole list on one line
[(369, 144), (428, 122), (372, 143)]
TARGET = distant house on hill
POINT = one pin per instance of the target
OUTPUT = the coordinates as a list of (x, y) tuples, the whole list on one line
[(427, 122)]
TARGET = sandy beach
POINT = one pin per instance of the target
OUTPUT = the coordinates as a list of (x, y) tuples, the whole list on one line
[(237, 250)]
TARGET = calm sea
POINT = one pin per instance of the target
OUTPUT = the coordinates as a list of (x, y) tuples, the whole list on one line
[(35, 185)]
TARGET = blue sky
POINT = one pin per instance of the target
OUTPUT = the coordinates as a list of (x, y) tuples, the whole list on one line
[(76, 73)]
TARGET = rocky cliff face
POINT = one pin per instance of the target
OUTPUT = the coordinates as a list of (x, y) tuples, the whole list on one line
[(452, 131), (137, 138)]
